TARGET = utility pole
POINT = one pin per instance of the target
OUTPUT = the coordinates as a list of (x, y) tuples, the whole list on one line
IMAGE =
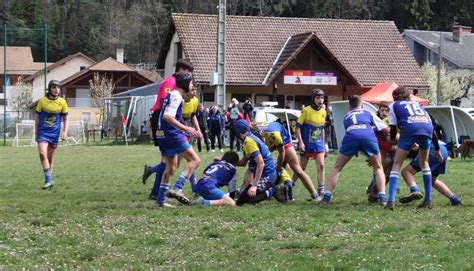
[(220, 89), (440, 61)]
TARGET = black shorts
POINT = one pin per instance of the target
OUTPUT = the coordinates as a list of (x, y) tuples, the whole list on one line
[(154, 123)]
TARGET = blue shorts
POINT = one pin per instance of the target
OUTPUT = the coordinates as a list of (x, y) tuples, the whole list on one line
[(313, 149), (436, 167), (174, 151), (351, 148), (52, 141), (211, 194), (406, 142)]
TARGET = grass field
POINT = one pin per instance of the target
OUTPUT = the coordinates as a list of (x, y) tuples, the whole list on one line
[(99, 217)]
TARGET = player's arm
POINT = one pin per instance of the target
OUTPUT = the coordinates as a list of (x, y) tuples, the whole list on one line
[(66, 127), (37, 119), (392, 122), (195, 123), (434, 139), (243, 161), (300, 123), (258, 174)]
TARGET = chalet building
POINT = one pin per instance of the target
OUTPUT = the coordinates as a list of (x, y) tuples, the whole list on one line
[(283, 59)]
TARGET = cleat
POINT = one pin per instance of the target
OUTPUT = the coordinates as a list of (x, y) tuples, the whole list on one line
[(179, 196), (48, 185), (323, 201), (321, 190), (458, 203), (146, 174), (425, 204), (390, 205), (166, 205), (382, 200), (373, 198), (316, 199), (281, 194), (411, 197), (152, 196)]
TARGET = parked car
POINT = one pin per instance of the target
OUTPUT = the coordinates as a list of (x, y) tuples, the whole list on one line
[(271, 114)]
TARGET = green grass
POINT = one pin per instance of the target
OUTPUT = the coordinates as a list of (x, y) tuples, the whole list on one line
[(99, 217)]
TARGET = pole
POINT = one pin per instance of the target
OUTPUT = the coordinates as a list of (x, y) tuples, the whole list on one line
[(220, 89), (45, 56), (438, 83), (4, 84)]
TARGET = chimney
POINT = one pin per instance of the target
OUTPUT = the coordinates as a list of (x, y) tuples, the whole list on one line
[(458, 30), (120, 52)]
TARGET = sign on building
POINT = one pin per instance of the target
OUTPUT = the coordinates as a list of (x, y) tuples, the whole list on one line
[(305, 77)]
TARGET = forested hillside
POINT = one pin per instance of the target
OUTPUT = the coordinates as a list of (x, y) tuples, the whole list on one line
[(98, 27)]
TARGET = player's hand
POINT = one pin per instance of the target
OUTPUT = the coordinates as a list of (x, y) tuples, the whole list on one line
[(301, 146), (216, 159), (439, 156), (415, 147), (252, 192), (193, 132), (63, 136)]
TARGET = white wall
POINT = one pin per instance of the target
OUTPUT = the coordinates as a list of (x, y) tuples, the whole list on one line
[(171, 57), (59, 73)]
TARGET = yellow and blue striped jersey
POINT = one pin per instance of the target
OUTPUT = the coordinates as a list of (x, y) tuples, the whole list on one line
[(50, 113), (312, 123), (190, 107), (275, 135), (252, 147)]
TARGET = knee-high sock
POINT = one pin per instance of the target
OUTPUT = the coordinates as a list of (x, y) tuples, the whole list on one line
[(160, 169), (164, 188), (392, 192), (428, 183), (182, 180)]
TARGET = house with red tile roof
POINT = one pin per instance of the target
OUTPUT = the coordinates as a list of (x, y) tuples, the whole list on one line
[(265, 55)]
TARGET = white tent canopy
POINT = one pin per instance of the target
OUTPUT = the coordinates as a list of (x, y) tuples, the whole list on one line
[(454, 121)]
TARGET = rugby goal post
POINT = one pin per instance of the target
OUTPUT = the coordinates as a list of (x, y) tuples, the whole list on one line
[(25, 133)]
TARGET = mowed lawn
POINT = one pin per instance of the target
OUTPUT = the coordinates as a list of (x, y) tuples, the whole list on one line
[(98, 216)]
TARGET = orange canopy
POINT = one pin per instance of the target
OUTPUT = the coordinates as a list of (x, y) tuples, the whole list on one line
[(382, 92)]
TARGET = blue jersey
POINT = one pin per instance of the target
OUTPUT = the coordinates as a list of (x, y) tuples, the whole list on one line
[(167, 134), (411, 118), (218, 174), (358, 124), (275, 135), (252, 147), (312, 123)]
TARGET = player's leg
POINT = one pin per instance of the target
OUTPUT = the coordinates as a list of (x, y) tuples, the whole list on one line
[(214, 197), (341, 161), (376, 163), (423, 155), (320, 171), (444, 189), (171, 165), (303, 163), (43, 154), (400, 156), (292, 159)]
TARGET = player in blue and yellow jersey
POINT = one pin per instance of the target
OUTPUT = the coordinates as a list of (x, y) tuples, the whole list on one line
[(170, 136), (276, 137), (311, 138), (260, 178), (359, 136), (218, 174), (415, 127), (50, 110)]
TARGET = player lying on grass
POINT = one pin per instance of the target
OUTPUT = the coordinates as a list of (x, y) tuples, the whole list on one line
[(415, 127), (218, 174), (260, 178), (437, 167), (359, 136), (276, 137)]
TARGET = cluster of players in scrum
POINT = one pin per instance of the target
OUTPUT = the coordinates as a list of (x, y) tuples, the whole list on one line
[(404, 124), (386, 139)]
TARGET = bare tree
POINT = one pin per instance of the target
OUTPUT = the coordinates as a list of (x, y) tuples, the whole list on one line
[(21, 98), (101, 89)]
